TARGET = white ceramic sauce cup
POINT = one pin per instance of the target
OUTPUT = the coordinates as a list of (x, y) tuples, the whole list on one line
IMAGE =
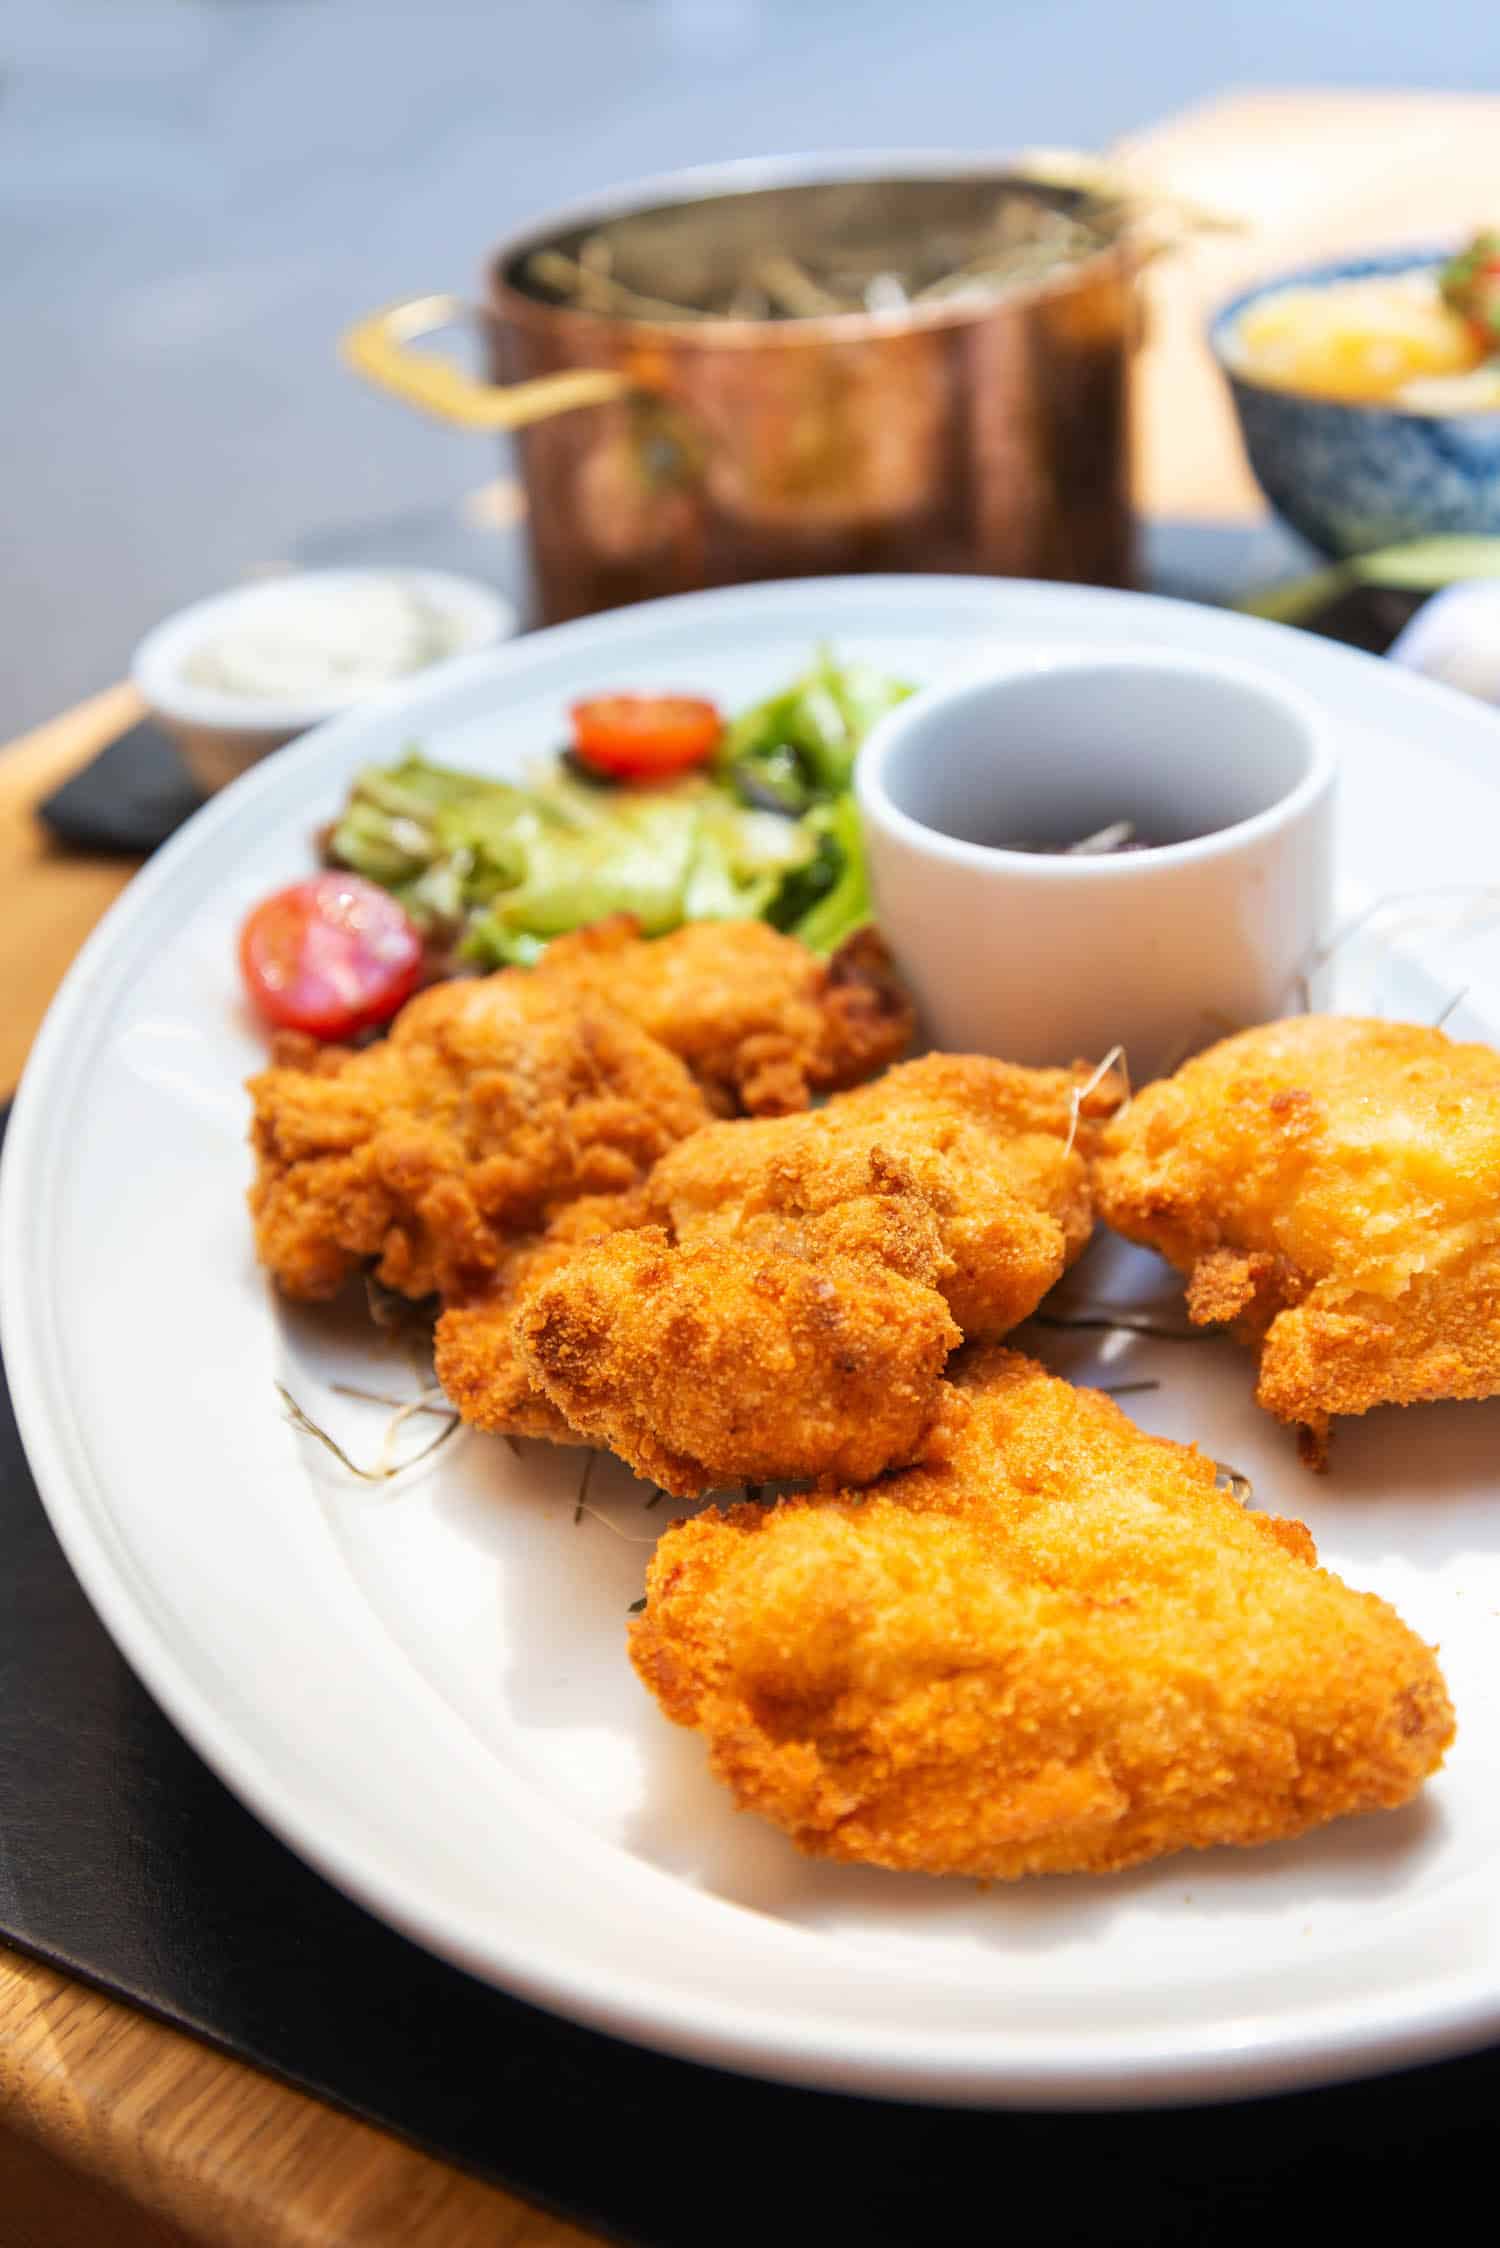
[(220, 733), (1042, 957)]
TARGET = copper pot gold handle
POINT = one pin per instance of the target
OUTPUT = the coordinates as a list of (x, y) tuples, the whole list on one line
[(380, 348)]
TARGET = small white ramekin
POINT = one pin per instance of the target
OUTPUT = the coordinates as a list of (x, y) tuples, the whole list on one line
[(221, 734), (1049, 958)]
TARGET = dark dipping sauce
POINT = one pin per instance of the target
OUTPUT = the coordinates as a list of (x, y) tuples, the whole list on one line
[(1079, 758)]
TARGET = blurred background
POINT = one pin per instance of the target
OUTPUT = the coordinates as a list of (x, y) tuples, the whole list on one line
[(196, 195)]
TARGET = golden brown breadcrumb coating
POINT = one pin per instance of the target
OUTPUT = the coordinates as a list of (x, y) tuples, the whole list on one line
[(790, 1310), (762, 1023), (474, 1352), (787, 1350), (1057, 1648), (493, 1101), (994, 1149), (1332, 1188)]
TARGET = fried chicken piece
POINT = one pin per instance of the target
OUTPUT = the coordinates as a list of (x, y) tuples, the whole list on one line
[(473, 1345), (996, 1151), (493, 1101), (762, 1023), (1057, 1648), (793, 1348), (790, 1311), (1330, 1187)]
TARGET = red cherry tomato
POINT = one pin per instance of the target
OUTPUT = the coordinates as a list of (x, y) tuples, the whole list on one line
[(1470, 283), (645, 737), (1484, 304), (331, 956)]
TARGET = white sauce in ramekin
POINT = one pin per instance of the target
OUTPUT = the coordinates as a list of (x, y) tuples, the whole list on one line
[(323, 640)]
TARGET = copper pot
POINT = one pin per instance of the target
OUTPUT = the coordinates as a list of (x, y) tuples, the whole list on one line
[(661, 454)]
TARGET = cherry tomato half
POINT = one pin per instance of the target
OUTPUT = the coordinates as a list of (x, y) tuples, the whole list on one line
[(331, 956), (1484, 303), (645, 737)]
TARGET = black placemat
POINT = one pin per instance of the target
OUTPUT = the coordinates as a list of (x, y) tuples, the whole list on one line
[(127, 800)]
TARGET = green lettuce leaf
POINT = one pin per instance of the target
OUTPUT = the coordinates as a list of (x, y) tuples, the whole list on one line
[(495, 869), (842, 902), (798, 747)]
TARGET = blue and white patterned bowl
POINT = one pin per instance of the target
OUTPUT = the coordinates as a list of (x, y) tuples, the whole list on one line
[(1352, 478)]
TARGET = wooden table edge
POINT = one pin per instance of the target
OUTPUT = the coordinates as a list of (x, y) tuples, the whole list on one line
[(178, 2140), (52, 897)]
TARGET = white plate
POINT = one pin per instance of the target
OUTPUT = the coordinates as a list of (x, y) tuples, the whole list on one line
[(424, 1687)]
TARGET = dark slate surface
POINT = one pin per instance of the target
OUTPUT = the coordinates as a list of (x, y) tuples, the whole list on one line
[(127, 800)]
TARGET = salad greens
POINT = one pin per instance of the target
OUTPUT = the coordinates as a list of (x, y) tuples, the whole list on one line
[(491, 870), (797, 748), (828, 896)]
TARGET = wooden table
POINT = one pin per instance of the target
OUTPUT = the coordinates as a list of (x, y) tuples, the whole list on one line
[(116, 2130)]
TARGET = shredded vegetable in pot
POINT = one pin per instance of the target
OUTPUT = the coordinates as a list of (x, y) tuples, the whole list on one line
[(1023, 239)]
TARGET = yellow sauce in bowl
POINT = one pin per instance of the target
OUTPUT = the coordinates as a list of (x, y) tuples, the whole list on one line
[(1386, 339)]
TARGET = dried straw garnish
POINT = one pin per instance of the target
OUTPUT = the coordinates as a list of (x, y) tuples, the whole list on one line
[(581, 1507), (436, 1403), (385, 1468), (1121, 1321), (625, 1535), (1080, 1093)]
